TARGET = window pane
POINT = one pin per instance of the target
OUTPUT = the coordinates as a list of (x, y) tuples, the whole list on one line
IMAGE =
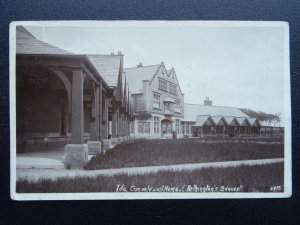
[(172, 88), (147, 127), (162, 85), (169, 128), (140, 127), (156, 101)]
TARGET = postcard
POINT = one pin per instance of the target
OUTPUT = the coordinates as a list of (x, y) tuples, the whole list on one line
[(150, 110)]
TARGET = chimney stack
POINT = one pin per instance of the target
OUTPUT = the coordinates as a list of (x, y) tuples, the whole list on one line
[(140, 64), (112, 53), (207, 102), (119, 53)]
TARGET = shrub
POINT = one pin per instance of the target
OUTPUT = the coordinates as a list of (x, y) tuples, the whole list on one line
[(182, 151)]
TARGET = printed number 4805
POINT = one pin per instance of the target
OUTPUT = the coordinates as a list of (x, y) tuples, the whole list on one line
[(276, 188)]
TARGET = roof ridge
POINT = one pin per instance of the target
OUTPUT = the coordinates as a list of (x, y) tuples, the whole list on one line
[(141, 67), (213, 105), (102, 55)]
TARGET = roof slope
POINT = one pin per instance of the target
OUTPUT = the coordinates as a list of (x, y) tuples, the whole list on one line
[(192, 110), (243, 121), (231, 120), (203, 119), (254, 122), (219, 120), (27, 44), (136, 75), (108, 66)]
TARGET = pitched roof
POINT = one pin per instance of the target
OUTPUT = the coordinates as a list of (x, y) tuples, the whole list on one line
[(192, 110), (172, 73), (254, 122), (268, 124), (218, 120), (108, 66), (231, 120), (136, 75), (27, 44), (242, 121), (202, 119)]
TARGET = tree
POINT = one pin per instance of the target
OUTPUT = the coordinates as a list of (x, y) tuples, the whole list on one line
[(270, 119)]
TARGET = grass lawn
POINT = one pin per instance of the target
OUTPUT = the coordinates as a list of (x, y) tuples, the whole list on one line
[(182, 151), (262, 178)]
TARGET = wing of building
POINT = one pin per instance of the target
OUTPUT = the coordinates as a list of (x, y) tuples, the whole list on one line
[(157, 101), (228, 120), (67, 98)]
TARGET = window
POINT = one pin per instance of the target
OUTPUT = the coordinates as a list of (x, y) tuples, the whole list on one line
[(177, 106), (147, 128), (172, 88), (122, 124), (156, 101), (177, 125), (187, 129), (132, 127), (169, 128), (182, 128), (141, 127), (169, 105), (166, 128), (163, 85), (144, 127), (156, 124)]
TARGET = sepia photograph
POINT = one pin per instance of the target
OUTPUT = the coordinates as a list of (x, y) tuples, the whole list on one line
[(150, 110)]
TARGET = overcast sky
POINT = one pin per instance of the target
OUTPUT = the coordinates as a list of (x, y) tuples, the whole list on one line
[(234, 66)]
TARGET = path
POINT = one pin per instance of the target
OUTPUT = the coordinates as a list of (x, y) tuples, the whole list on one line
[(38, 173)]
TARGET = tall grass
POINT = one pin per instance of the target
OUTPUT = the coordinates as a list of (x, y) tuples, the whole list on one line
[(247, 178), (181, 151)]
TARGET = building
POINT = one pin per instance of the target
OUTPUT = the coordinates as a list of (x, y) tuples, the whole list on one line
[(63, 98), (157, 103), (207, 119), (119, 115)]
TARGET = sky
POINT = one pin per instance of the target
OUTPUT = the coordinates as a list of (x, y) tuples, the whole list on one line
[(238, 66)]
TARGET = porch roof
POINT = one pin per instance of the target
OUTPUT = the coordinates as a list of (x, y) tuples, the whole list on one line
[(243, 121), (231, 120), (202, 119), (217, 119), (254, 122), (26, 43), (168, 99), (108, 66)]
